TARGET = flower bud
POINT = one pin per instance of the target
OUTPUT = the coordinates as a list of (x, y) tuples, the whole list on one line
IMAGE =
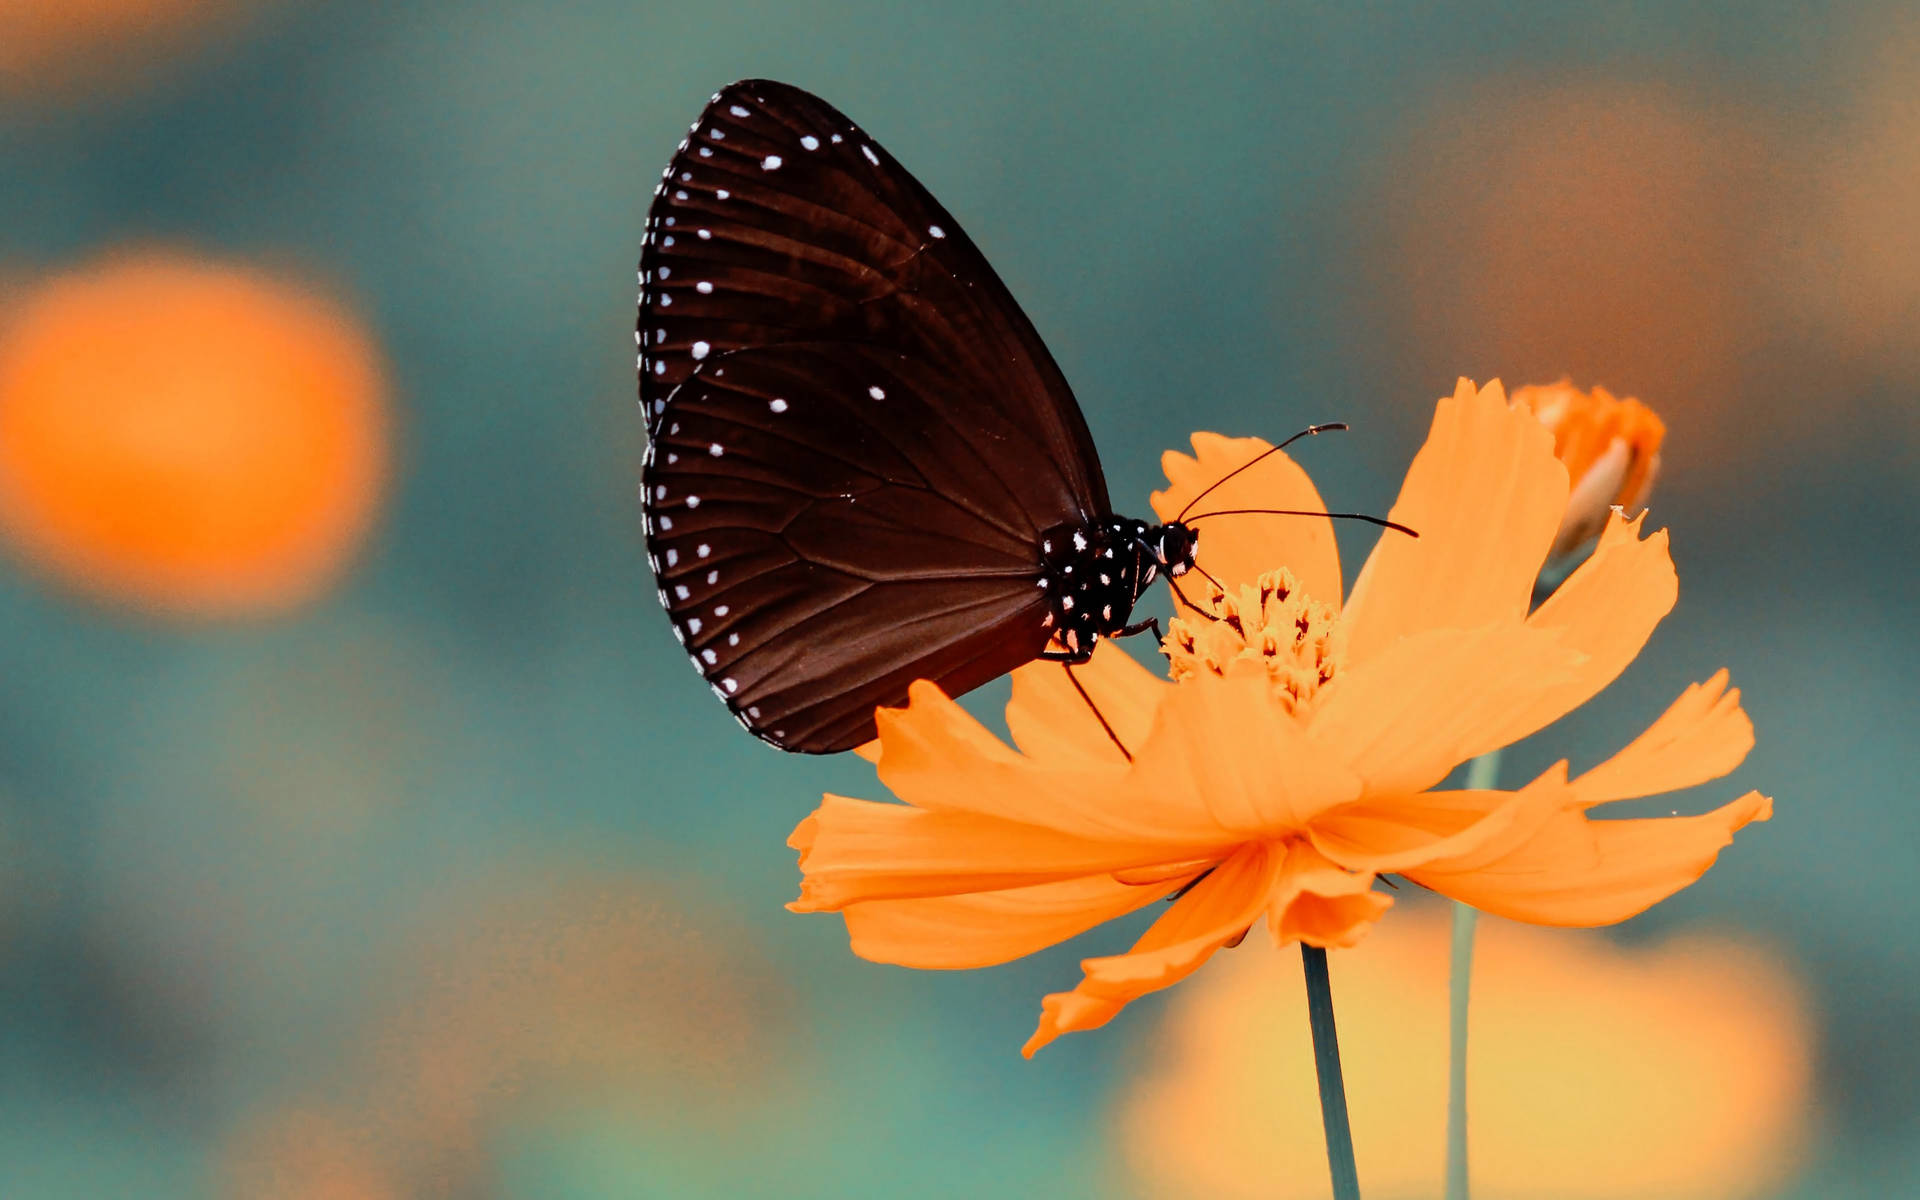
[(1610, 447)]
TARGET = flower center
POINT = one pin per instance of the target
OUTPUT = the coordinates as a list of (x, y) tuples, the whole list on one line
[(1272, 622)]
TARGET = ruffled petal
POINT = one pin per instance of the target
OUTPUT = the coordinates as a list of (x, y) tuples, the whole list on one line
[(858, 850), (1216, 911), (1606, 610), (1486, 495), (1227, 764), (1404, 719), (1702, 736), (1317, 902), (1238, 548), (936, 756), (1387, 835), (1579, 871), (1054, 725), (988, 928)]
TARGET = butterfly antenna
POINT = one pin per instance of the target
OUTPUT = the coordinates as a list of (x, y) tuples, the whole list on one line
[(1097, 714), (1306, 512), (1217, 585), (1309, 431)]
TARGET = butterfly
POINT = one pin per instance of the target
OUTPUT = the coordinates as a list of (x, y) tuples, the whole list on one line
[(863, 467)]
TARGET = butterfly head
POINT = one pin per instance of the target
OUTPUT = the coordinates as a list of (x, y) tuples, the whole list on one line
[(1172, 546)]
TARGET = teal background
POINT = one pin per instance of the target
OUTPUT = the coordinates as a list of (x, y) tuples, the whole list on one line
[(1220, 216)]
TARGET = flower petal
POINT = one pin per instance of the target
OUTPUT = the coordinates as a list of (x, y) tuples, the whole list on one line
[(1216, 911), (1486, 495), (1391, 834), (1424, 705), (936, 756), (988, 928), (1238, 548), (1578, 871), (1053, 724), (1702, 736), (1226, 763), (1317, 902), (1606, 610), (858, 850)]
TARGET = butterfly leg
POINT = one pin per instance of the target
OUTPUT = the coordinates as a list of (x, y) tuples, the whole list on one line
[(1073, 658), (1152, 623), (1113, 737)]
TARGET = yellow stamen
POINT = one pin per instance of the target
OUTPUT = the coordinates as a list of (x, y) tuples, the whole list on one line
[(1271, 621)]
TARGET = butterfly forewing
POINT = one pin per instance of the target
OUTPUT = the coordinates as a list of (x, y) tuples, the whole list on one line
[(780, 220), (828, 525)]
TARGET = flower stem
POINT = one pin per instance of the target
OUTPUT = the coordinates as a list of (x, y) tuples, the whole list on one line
[(1481, 773), (1326, 1061)]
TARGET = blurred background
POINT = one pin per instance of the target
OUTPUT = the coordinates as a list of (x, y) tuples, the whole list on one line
[(363, 835)]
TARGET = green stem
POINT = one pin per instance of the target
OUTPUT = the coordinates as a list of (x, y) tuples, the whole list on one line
[(1326, 1061), (1481, 773)]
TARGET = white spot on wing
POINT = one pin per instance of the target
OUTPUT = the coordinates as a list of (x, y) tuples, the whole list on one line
[(936, 231), (871, 156), (877, 392), (736, 110), (770, 163), (810, 142), (704, 287), (715, 450), (777, 405), (700, 350)]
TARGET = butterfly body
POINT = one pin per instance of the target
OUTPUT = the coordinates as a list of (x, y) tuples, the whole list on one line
[(863, 466), (1094, 575)]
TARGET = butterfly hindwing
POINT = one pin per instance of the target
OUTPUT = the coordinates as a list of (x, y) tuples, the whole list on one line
[(828, 525)]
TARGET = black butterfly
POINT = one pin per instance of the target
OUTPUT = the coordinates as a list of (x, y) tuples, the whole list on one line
[(863, 467)]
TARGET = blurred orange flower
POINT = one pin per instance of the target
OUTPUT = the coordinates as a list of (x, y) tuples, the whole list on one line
[(549, 986), (1610, 447), (61, 45), (188, 436), (300, 1154), (1679, 1072), (1297, 755)]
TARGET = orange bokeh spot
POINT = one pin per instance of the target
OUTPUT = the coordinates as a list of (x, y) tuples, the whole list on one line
[(64, 45), (1594, 1071), (1609, 229), (300, 1154), (187, 436), (545, 989)]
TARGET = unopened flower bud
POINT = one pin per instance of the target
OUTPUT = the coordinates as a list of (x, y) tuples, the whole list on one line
[(1610, 447)]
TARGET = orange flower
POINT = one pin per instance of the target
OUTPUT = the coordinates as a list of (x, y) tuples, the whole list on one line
[(1695, 1053), (102, 45), (189, 436), (1610, 447), (1298, 753)]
